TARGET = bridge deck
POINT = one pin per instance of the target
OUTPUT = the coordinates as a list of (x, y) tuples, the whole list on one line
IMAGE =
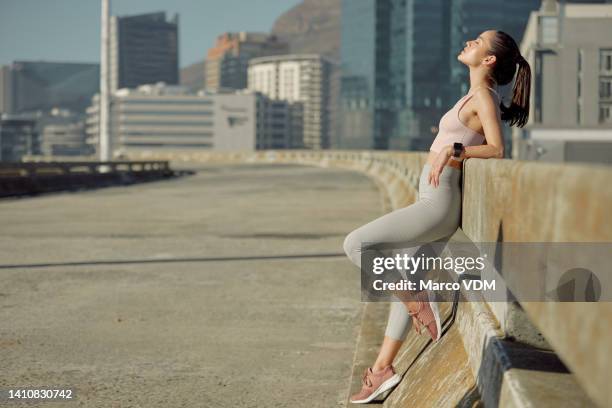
[(157, 293)]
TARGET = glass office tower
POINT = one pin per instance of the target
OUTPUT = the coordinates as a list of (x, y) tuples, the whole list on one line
[(28, 86), (394, 72), (419, 71), (471, 17), (143, 50), (359, 36), (400, 72)]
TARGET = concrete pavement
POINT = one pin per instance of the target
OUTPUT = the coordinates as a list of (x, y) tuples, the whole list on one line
[(214, 290)]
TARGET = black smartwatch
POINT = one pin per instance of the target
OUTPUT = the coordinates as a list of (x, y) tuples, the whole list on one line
[(457, 149)]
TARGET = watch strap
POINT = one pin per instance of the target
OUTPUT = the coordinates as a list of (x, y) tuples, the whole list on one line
[(457, 149)]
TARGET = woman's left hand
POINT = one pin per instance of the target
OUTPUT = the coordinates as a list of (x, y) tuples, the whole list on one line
[(436, 168)]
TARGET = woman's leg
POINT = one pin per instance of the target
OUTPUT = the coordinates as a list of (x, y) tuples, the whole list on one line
[(388, 350), (399, 324), (396, 227), (434, 217)]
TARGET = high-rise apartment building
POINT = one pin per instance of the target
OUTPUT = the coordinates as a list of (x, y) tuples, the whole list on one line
[(228, 61), (143, 50), (303, 79), (579, 39), (569, 50)]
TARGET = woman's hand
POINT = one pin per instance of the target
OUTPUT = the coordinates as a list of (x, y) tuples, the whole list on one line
[(436, 168)]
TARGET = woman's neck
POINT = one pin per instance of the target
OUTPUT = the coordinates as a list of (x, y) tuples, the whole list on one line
[(482, 84), (481, 77)]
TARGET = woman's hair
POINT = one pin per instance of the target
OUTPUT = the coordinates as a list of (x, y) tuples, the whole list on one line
[(508, 56)]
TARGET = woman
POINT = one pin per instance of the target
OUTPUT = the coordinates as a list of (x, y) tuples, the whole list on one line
[(492, 59)]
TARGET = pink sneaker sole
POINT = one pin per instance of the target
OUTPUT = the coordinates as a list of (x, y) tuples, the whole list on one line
[(390, 383)]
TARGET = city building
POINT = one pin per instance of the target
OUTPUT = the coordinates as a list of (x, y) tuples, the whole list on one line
[(18, 138), (417, 89), (468, 18), (169, 117), (279, 123), (394, 79), (228, 61), (298, 78), (143, 50), (364, 25), (569, 144), (6, 90), (62, 133), (570, 51), (27, 86), (65, 139), (399, 64), (58, 132)]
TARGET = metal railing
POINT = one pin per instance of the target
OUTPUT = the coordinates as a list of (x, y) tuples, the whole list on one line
[(30, 169), (26, 178)]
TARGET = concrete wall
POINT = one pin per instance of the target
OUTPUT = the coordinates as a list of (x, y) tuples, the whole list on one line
[(542, 202)]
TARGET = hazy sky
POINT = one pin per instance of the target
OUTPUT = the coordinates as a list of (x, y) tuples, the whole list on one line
[(69, 30)]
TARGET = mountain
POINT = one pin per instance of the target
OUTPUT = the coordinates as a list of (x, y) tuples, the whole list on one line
[(313, 26), (193, 76)]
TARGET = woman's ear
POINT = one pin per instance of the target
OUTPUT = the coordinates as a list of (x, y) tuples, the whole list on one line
[(489, 60)]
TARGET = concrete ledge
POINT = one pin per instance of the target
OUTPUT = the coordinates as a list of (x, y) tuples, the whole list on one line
[(532, 388), (440, 377), (547, 202), (511, 374)]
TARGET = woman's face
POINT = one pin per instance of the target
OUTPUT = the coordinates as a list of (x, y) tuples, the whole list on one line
[(477, 49)]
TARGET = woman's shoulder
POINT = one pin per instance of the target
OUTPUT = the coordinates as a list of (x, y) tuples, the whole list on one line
[(485, 90)]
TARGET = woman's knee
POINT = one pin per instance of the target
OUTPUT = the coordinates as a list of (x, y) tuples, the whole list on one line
[(351, 244)]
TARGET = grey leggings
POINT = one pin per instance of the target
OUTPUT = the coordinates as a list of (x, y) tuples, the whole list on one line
[(434, 217)]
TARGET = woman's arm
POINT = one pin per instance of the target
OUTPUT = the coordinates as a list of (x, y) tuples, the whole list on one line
[(490, 117)]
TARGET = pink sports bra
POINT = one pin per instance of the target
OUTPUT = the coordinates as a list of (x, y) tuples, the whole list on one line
[(452, 130)]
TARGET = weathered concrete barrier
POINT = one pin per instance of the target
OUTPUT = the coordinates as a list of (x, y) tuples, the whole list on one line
[(26, 178), (518, 201), (504, 200)]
